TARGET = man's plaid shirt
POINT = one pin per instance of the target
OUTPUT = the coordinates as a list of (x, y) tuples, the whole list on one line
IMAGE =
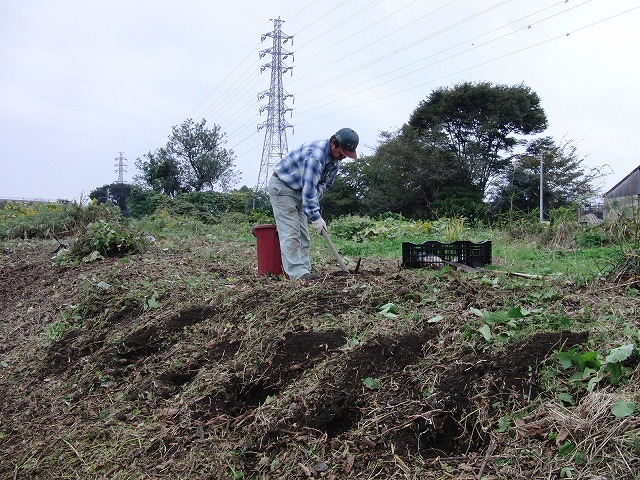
[(311, 169)]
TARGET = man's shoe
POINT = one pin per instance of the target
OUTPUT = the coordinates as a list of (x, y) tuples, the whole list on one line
[(309, 276)]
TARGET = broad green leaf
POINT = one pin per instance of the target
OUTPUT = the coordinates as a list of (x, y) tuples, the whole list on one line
[(477, 312), (566, 448), (615, 370), (496, 318), (593, 383), (103, 285), (389, 310), (564, 321), (576, 377), (622, 409), (372, 383), (566, 472), (588, 372), (485, 330), (517, 312), (504, 336), (620, 354), (153, 301), (504, 423), (565, 398), (435, 319), (588, 359), (565, 358)]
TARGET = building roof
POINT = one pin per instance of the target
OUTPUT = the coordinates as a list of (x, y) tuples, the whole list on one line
[(622, 181)]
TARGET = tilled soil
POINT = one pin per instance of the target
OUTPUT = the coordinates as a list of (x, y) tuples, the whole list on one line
[(183, 363)]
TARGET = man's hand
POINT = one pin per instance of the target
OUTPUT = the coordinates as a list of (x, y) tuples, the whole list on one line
[(319, 225)]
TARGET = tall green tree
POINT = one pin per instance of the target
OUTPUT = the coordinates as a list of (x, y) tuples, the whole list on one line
[(161, 173), (566, 179), (478, 122), (193, 160), (405, 175), (344, 197), (116, 193)]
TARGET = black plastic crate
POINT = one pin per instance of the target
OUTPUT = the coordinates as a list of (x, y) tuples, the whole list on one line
[(431, 254)]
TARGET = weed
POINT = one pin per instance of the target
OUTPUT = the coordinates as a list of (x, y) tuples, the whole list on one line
[(454, 228), (56, 330), (590, 368), (372, 383), (108, 239)]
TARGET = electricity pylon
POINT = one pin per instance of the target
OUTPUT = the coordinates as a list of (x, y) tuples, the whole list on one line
[(121, 167), (275, 137)]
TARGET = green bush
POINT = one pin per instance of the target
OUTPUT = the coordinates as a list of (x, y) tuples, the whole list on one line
[(143, 202), (593, 237), (391, 226), (108, 239), (40, 220)]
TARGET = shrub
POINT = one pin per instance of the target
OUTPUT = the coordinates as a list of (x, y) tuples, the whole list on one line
[(108, 239), (390, 226), (40, 220), (592, 237)]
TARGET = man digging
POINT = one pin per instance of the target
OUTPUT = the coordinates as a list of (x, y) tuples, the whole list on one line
[(298, 183)]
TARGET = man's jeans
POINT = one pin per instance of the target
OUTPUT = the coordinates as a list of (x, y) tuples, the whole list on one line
[(292, 228)]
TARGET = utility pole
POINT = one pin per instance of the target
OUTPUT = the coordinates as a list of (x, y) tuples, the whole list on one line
[(121, 166), (275, 138), (541, 186)]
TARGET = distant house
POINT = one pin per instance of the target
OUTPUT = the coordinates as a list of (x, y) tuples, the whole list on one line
[(624, 197)]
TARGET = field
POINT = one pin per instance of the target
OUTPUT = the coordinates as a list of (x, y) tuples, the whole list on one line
[(180, 362)]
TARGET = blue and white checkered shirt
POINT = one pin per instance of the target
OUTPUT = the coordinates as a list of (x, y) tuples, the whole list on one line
[(311, 169)]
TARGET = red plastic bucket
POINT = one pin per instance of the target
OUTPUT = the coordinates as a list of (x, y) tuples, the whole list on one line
[(269, 258)]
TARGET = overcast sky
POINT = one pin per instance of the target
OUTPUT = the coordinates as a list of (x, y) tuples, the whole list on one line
[(82, 80)]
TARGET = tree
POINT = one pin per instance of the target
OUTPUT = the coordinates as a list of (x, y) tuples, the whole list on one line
[(477, 123), (161, 173), (193, 160), (116, 193), (343, 197), (403, 176), (566, 180), (459, 202)]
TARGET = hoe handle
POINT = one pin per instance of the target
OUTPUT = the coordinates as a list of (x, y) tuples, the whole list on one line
[(343, 267)]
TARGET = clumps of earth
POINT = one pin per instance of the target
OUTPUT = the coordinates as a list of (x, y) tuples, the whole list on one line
[(185, 364)]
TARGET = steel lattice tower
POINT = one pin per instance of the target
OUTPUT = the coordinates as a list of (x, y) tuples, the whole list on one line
[(275, 138), (121, 167)]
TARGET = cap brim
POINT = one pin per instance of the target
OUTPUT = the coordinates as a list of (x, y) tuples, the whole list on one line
[(348, 153)]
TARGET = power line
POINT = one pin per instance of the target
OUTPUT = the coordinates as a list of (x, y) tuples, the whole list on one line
[(564, 35), (409, 45), (475, 47), (341, 42), (351, 18), (228, 105)]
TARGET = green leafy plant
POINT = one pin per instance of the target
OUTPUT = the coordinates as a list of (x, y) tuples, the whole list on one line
[(454, 228), (389, 310), (499, 325), (57, 329), (372, 383), (108, 239), (388, 227), (590, 368), (151, 303), (592, 238), (622, 409)]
